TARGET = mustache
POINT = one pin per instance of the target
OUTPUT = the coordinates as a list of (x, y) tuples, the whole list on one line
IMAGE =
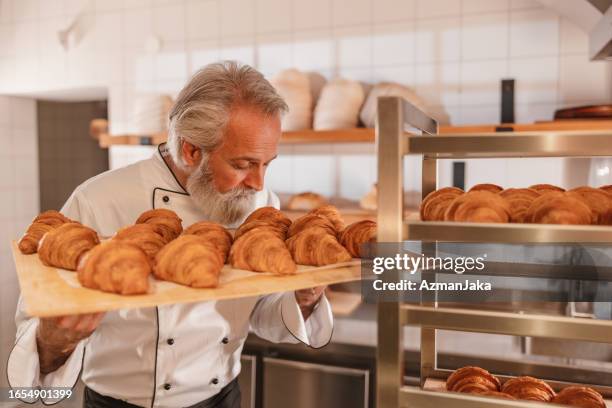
[(225, 208)]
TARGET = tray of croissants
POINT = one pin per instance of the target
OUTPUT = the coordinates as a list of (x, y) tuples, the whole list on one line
[(537, 204), (477, 380), (64, 267)]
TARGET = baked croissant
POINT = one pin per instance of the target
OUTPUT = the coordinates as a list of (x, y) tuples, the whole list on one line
[(546, 188), (189, 260), (558, 208), (147, 237), (277, 229), (262, 251), (434, 204), (316, 246), (581, 397), (311, 220), (528, 388), (43, 223), (607, 188), (519, 200), (169, 223), (330, 212), (63, 246), (270, 215), (493, 188), (600, 203), (497, 394), (357, 234), (213, 233), (115, 266), (478, 206), (472, 379)]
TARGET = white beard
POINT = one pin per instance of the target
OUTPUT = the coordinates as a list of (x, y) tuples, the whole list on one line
[(224, 208)]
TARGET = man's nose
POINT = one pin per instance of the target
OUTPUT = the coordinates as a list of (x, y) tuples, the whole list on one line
[(255, 178)]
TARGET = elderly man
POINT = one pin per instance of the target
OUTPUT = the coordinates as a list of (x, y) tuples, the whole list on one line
[(223, 133)]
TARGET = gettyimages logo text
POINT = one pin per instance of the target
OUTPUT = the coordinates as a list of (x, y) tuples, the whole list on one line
[(413, 264)]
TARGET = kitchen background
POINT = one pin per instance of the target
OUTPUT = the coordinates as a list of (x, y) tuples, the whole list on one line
[(452, 53)]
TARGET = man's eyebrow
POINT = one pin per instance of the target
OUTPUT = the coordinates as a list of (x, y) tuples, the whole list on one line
[(251, 159)]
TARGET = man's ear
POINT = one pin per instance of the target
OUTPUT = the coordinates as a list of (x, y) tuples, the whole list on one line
[(191, 154)]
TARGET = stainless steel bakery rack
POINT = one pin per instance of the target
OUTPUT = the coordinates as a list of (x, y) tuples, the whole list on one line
[(395, 138)]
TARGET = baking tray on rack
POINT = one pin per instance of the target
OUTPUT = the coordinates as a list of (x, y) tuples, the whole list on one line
[(49, 291), (439, 386), (505, 233)]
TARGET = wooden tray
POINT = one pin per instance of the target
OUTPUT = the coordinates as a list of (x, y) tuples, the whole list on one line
[(51, 291)]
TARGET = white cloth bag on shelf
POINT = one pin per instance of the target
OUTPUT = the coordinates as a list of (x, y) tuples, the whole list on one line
[(368, 112), (339, 104), (294, 87), (150, 114)]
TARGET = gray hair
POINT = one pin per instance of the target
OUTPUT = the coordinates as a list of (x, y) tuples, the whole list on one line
[(202, 108)]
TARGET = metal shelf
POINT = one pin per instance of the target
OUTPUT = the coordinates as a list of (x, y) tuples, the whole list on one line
[(484, 321), (513, 144), (416, 397), (505, 233)]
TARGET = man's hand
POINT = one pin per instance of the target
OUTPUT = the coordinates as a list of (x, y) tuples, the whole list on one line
[(57, 337), (308, 298)]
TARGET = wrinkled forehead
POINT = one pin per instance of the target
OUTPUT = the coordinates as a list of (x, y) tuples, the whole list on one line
[(250, 132)]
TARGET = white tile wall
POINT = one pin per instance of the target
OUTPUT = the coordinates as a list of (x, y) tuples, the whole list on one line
[(534, 33), (484, 36), (20, 203), (452, 52)]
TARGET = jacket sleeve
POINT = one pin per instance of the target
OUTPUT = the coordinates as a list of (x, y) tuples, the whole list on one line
[(277, 318), (23, 368)]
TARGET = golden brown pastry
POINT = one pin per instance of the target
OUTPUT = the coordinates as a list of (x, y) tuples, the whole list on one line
[(528, 388), (472, 379), (478, 206), (434, 205), (147, 237), (311, 220), (357, 234), (519, 200), (607, 188), (600, 203), (316, 246), (493, 188), (581, 397), (277, 229), (270, 215), (497, 395), (558, 208), (44, 222), (546, 188), (63, 246), (330, 212), (260, 250), (306, 201), (170, 224), (115, 266), (189, 260), (213, 233)]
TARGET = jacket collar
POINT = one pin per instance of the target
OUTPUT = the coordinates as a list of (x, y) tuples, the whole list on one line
[(172, 183)]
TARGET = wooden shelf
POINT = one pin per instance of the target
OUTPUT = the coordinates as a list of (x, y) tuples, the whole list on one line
[(366, 135)]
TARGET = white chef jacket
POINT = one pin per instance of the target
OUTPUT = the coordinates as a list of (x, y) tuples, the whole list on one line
[(167, 356)]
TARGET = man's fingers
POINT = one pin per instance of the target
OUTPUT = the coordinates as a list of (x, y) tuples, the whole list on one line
[(88, 322), (83, 323), (68, 322), (95, 321)]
